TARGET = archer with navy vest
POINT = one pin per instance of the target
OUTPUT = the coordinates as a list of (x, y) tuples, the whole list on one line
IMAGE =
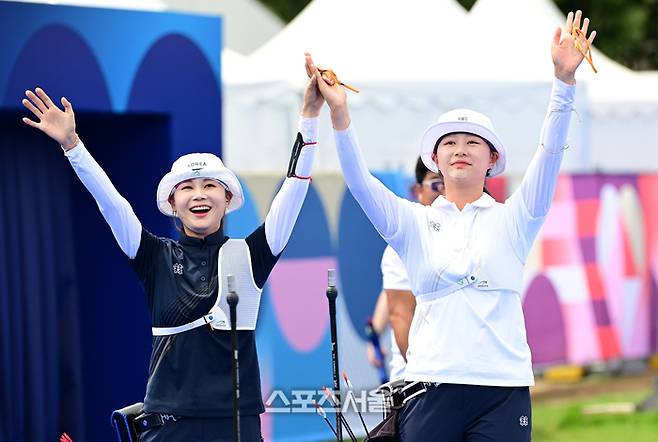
[(189, 390)]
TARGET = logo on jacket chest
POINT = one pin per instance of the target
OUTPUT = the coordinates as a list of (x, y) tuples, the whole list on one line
[(434, 225), (177, 268)]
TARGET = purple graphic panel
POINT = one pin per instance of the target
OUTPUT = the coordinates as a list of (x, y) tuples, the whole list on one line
[(544, 322), (299, 303)]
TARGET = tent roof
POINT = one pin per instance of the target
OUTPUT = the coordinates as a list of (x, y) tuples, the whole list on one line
[(527, 28), (421, 40), (368, 40)]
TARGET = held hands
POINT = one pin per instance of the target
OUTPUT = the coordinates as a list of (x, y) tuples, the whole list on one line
[(566, 56), (331, 91), (57, 124), (313, 99)]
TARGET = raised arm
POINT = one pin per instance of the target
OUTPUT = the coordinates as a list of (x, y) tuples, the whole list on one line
[(60, 126), (540, 179), (531, 202), (288, 201), (381, 206)]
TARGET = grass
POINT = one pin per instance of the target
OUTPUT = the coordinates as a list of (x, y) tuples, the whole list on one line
[(564, 422)]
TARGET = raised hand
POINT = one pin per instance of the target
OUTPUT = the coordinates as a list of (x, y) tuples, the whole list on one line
[(313, 99), (57, 124), (333, 92), (566, 56)]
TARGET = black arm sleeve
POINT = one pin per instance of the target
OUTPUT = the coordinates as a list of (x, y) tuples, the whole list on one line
[(262, 259)]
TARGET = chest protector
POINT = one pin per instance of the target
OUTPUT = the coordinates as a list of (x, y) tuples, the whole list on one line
[(486, 263), (234, 259)]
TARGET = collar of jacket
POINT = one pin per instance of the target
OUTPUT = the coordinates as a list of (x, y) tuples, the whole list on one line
[(484, 201), (214, 238)]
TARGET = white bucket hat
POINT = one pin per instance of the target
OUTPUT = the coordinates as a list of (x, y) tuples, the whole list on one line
[(198, 165), (462, 120)]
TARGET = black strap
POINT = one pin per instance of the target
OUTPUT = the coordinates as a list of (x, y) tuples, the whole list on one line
[(147, 421), (296, 150), (387, 430), (409, 390), (294, 157)]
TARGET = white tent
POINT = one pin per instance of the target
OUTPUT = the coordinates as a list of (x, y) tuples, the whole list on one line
[(528, 28), (368, 39), (398, 54), (412, 61), (624, 117), (621, 107), (363, 41)]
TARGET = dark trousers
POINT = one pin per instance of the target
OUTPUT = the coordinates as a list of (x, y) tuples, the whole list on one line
[(467, 413), (205, 430)]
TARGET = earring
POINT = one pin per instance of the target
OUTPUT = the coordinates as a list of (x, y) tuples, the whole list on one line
[(176, 222)]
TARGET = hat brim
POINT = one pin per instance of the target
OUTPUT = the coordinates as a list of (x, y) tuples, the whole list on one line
[(436, 131), (171, 180)]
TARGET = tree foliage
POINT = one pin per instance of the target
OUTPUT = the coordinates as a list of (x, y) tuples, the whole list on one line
[(286, 9), (627, 29)]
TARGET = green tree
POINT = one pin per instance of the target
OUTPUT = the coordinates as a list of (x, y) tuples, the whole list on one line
[(286, 9), (627, 29)]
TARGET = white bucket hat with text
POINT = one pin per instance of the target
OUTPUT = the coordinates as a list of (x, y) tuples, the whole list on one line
[(198, 165), (462, 120)]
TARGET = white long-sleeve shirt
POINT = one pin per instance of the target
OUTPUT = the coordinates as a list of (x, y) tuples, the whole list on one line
[(127, 228), (466, 267)]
